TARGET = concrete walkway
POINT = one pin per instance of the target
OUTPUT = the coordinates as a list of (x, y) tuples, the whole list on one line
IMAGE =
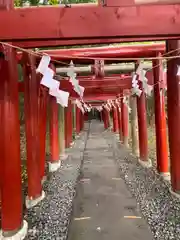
[(104, 208)]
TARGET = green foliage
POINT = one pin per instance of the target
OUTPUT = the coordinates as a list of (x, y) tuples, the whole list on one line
[(19, 3), (34, 2), (53, 2)]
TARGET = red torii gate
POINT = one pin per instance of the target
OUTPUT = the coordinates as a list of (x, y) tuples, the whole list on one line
[(32, 111)]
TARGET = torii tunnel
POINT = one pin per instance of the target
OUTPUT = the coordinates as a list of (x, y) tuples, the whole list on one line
[(102, 88)]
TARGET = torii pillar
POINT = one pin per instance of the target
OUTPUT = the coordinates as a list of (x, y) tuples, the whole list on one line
[(10, 165), (125, 121), (142, 128), (55, 161), (63, 155), (106, 118), (120, 123), (78, 116), (160, 120), (31, 99), (173, 104), (68, 124), (115, 119)]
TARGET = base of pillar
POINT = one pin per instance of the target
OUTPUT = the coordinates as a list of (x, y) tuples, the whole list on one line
[(20, 235), (134, 154), (117, 136), (126, 145), (54, 166), (43, 180), (177, 195), (77, 136), (71, 144), (63, 157), (166, 176), (146, 164), (33, 202)]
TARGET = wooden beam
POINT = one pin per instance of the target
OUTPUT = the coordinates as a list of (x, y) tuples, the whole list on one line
[(92, 21), (126, 3), (123, 51), (58, 43)]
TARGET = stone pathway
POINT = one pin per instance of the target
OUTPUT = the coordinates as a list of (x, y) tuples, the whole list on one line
[(104, 208)]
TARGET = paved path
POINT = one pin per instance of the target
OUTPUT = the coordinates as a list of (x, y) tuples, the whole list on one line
[(104, 208)]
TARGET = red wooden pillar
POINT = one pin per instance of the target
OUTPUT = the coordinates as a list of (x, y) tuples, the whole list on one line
[(105, 118), (81, 116), (173, 104), (115, 119), (120, 124), (142, 125), (82, 121), (71, 122), (86, 116), (68, 125), (101, 116), (43, 104), (10, 164), (54, 163), (78, 115), (160, 120), (125, 121), (31, 93)]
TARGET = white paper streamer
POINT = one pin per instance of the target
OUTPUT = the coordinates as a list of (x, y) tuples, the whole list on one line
[(178, 70), (139, 69), (137, 91), (63, 98), (48, 81), (44, 63), (135, 85)]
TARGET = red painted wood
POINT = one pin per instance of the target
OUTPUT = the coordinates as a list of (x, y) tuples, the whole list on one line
[(173, 96), (54, 130), (142, 125), (124, 120), (115, 119), (106, 118), (89, 82), (85, 116), (70, 122), (30, 23), (122, 51), (78, 120), (127, 3), (99, 97), (6, 5), (31, 90), (54, 43), (122, 3), (160, 120), (68, 125), (120, 124), (10, 164), (81, 120), (43, 104)]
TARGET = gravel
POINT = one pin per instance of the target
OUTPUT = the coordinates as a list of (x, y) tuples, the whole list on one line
[(50, 218), (158, 206)]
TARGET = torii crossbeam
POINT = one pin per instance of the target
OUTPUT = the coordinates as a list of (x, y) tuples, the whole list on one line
[(53, 23)]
